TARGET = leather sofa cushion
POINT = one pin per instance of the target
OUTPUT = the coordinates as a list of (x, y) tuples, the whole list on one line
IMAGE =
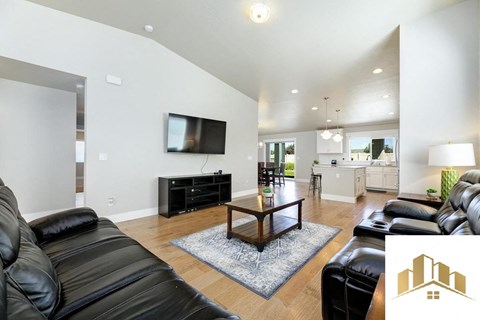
[(463, 230), (412, 226), (473, 215), (82, 240), (406, 209), (62, 222), (19, 307), (453, 221), (34, 275), (87, 276), (9, 228), (160, 295), (365, 265)]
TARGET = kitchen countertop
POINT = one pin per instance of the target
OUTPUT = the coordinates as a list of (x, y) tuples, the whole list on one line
[(339, 166)]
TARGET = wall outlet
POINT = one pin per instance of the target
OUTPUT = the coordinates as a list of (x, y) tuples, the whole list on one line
[(111, 201)]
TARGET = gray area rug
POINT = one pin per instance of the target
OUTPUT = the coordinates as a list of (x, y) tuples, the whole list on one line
[(262, 272)]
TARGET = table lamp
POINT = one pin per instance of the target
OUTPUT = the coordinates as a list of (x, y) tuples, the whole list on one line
[(450, 155)]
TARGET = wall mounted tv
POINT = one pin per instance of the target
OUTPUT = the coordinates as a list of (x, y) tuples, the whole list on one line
[(195, 135)]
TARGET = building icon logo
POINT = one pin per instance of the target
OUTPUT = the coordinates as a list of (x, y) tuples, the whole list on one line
[(426, 273)]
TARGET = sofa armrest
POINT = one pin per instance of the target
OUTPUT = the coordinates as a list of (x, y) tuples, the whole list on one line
[(407, 209), (414, 226), (365, 265), (56, 224)]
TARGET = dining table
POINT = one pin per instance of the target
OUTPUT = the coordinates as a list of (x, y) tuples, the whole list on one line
[(267, 173)]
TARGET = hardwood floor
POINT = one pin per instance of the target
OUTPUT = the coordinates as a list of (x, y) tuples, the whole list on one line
[(299, 298)]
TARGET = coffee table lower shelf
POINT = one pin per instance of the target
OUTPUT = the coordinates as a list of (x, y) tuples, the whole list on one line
[(272, 228)]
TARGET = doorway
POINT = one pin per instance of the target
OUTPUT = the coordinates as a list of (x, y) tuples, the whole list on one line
[(282, 152)]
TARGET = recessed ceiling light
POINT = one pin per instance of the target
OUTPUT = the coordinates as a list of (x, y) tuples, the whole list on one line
[(259, 13), (294, 91), (148, 28), (386, 96), (314, 108), (391, 113), (328, 120), (377, 71)]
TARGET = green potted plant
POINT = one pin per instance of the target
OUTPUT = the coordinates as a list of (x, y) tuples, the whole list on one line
[(432, 193), (267, 192), (315, 162)]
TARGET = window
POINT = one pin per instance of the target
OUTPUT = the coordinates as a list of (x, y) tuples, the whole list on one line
[(372, 146)]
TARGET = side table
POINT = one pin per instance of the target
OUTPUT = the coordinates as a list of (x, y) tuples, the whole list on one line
[(421, 198)]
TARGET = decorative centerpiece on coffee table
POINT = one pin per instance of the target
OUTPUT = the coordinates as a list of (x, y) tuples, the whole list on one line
[(432, 194), (267, 194)]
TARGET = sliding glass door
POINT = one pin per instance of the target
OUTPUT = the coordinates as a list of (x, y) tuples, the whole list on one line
[(281, 152)]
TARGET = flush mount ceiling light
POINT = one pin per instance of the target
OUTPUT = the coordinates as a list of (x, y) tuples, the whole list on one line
[(294, 91), (314, 108), (148, 28), (386, 96), (337, 137), (79, 86), (326, 134), (391, 113), (259, 13), (329, 120), (377, 71)]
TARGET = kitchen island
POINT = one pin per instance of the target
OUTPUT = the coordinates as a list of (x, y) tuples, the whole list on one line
[(342, 183)]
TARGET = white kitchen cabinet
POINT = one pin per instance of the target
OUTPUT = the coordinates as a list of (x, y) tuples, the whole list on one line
[(329, 146), (360, 182), (342, 183), (385, 178), (374, 178), (390, 178)]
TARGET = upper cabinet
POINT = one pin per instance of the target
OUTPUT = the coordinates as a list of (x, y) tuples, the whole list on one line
[(329, 146)]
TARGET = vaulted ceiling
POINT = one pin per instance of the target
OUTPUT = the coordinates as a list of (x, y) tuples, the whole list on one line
[(319, 47)]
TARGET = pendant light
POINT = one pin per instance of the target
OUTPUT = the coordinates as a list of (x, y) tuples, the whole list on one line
[(326, 134), (337, 137)]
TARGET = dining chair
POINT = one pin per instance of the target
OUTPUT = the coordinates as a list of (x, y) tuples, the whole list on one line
[(281, 174)]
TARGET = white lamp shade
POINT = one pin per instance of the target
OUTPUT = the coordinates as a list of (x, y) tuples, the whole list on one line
[(326, 134), (337, 137), (451, 155)]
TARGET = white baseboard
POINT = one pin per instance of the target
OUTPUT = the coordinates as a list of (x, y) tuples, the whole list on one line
[(302, 180), (339, 198), (130, 215), (35, 215)]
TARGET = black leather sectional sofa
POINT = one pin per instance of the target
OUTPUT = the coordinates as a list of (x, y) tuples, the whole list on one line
[(350, 277), (74, 265)]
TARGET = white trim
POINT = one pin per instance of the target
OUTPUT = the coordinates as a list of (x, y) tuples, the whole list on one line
[(130, 215), (302, 180), (374, 134), (244, 193), (35, 215), (338, 198)]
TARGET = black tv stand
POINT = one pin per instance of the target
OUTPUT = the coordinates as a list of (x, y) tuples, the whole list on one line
[(178, 194)]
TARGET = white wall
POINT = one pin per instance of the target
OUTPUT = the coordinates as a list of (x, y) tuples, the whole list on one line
[(37, 145), (439, 63), (305, 151), (128, 122)]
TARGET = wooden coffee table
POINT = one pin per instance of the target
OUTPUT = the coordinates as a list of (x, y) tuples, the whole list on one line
[(256, 232)]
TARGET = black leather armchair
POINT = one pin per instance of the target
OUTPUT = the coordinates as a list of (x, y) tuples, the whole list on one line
[(349, 278)]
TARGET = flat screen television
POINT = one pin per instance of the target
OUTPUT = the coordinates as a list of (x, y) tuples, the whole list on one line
[(195, 135)]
